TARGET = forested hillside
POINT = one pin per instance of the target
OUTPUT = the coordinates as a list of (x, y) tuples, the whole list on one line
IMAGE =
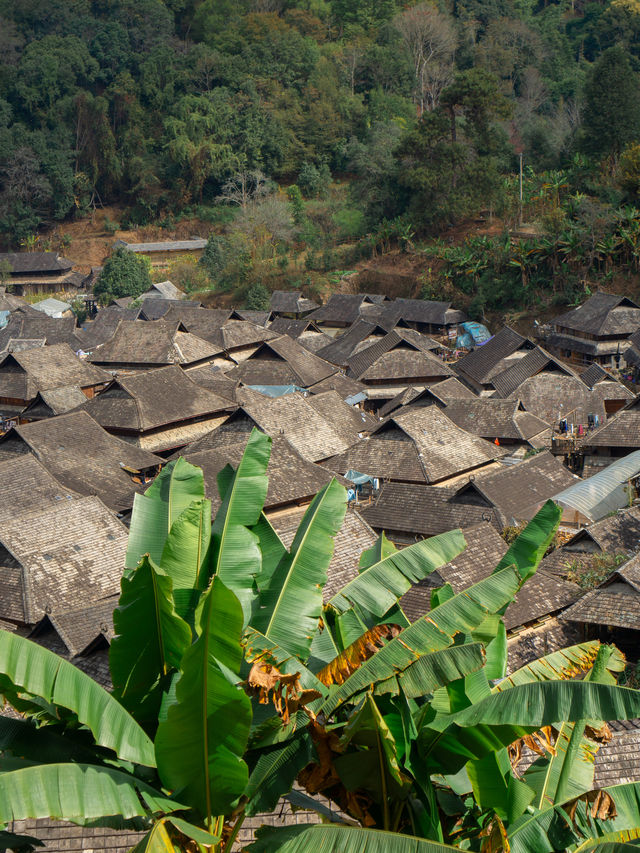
[(164, 107)]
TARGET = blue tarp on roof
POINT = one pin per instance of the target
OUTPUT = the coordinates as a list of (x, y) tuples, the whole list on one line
[(276, 390), (479, 333), (4, 318), (358, 478)]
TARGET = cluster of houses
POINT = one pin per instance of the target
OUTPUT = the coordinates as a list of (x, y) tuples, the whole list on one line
[(369, 390)]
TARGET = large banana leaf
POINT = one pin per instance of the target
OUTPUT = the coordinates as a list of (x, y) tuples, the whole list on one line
[(380, 549), (544, 774), (542, 704), (150, 640), (341, 839), (496, 788), (39, 672), (618, 838), (552, 829), (174, 489), (185, 554), (275, 770), (530, 546), (199, 747), (236, 558), (433, 632), (22, 739), (378, 587), (563, 664), (291, 602), (78, 793)]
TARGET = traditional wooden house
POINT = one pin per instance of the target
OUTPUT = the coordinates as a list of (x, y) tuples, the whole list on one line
[(505, 421), (103, 327), (39, 272), (282, 361), (348, 421), (596, 331), (340, 311), (56, 401), (427, 315), (290, 416), (158, 410), (58, 557), (240, 339), (84, 457), (394, 362), (291, 303), (533, 362), (23, 374), (502, 351), (305, 332), (37, 326), (422, 446), (144, 345), (503, 495), (616, 438), (441, 394), (553, 396), (156, 307), (348, 389), (162, 252), (260, 318)]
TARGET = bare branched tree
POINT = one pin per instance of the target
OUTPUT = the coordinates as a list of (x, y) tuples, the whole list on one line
[(244, 188), (431, 40)]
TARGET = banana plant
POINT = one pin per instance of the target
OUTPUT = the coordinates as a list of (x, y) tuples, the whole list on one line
[(233, 679)]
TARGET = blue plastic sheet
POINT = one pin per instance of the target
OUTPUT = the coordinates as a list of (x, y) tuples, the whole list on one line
[(479, 333)]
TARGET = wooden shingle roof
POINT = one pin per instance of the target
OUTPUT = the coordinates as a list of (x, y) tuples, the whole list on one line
[(519, 490), (282, 361), (68, 553), (152, 399), (552, 395), (341, 308), (82, 456), (26, 263), (28, 487), (349, 421), (442, 393), (428, 311), (291, 302), (502, 419), (153, 343), (38, 326), (541, 595), (532, 363), (602, 314), (345, 386), (621, 430), (24, 373), (485, 360), (615, 602), (81, 626), (395, 356), (56, 401), (423, 511), (421, 445)]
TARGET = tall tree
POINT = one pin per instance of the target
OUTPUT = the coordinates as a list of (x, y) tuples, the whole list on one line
[(612, 105)]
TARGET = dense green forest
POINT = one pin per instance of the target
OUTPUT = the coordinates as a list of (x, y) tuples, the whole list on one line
[(417, 113)]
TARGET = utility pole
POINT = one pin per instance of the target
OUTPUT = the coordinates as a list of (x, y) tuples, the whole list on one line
[(521, 189)]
